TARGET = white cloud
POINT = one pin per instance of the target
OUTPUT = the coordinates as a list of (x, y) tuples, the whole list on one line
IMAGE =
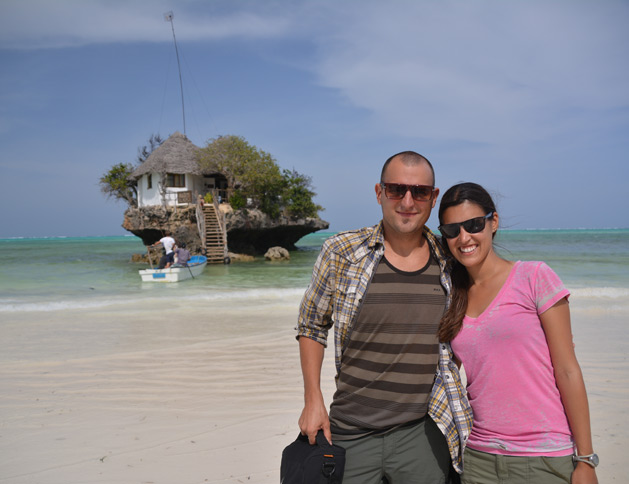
[(36, 24), (480, 71)]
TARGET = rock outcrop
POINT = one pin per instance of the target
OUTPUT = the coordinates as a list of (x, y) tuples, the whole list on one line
[(277, 253), (233, 257), (151, 223), (249, 231)]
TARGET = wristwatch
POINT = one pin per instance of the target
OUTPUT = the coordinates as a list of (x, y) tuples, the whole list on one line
[(591, 459)]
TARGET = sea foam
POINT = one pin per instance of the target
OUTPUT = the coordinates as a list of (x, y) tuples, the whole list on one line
[(601, 293), (247, 296)]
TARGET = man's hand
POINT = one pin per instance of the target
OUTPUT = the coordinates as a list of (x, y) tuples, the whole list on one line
[(313, 417)]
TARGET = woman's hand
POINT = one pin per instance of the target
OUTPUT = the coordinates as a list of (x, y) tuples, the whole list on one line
[(584, 474)]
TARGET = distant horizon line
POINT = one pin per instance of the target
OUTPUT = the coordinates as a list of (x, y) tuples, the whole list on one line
[(579, 229)]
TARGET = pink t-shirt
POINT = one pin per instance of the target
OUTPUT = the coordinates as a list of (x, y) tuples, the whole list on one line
[(511, 384)]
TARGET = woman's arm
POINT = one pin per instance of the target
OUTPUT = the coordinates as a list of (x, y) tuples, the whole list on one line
[(556, 324)]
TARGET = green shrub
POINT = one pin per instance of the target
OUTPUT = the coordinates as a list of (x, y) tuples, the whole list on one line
[(272, 190), (298, 195), (237, 200)]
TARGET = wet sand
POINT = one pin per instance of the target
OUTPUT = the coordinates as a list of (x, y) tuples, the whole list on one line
[(119, 396)]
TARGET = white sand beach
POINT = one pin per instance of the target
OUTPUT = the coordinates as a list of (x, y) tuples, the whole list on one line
[(168, 395)]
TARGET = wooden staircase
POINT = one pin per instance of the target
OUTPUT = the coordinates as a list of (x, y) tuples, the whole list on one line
[(214, 236)]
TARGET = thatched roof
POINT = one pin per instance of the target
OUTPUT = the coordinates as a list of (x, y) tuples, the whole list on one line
[(175, 155)]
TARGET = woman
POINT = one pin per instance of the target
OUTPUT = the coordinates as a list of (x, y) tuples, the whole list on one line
[(509, 325)]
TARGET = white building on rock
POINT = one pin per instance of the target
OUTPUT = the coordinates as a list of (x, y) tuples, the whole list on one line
[(171, 175)]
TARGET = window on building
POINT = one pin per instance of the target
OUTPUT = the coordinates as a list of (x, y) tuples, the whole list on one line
[(149, 181), (176, 181)]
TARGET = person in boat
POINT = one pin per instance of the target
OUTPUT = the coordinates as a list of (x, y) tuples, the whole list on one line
[(167, 243), (509, 325), (182, 255), (399, 408)]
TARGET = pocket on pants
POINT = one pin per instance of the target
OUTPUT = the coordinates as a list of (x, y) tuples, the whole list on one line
[(562, 467), (478, 468)]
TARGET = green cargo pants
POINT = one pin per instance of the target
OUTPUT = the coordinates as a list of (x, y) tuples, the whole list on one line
[(484, 468), (416, 454)]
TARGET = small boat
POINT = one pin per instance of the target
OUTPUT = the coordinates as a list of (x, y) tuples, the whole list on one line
[(195, 267)]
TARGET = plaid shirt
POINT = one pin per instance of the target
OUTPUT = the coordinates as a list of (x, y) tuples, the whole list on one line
[(340, 279)]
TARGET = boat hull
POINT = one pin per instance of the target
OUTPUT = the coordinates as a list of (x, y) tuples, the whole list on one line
[(175, 274)]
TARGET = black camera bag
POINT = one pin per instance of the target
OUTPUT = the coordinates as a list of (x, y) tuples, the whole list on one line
[(321, 463)]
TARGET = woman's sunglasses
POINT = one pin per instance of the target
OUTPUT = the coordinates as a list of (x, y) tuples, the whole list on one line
[(471, 226), (397, 191)]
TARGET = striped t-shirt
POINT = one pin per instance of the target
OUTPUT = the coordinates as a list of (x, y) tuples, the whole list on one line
[(388, 367)]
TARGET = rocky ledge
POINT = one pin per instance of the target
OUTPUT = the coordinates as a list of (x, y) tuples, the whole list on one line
[(249, 231)]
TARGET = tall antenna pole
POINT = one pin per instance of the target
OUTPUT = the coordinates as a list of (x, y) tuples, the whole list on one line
[(168, 17)]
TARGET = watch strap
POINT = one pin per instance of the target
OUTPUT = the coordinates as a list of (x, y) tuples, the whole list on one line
[(590, 459)]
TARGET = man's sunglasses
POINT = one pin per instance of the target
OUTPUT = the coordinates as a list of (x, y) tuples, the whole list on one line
[(397, 191), (471, 226)]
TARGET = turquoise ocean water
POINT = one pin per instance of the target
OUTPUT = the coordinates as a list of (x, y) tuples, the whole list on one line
[(38, 275)]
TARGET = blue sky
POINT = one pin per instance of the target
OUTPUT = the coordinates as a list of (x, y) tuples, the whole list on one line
[(528, 98)]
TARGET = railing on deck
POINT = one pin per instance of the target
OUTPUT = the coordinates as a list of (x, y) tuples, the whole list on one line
[(184, 197), (221, 220), (201, 221)]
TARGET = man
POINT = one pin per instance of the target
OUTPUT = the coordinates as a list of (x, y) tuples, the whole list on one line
[(182, 255), (399, 409), (169, 256)]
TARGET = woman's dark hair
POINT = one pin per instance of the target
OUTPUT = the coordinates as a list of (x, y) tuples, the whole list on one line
[(452, 319)]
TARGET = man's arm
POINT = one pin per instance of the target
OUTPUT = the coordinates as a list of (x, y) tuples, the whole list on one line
[(315, 319), (314, 416)]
